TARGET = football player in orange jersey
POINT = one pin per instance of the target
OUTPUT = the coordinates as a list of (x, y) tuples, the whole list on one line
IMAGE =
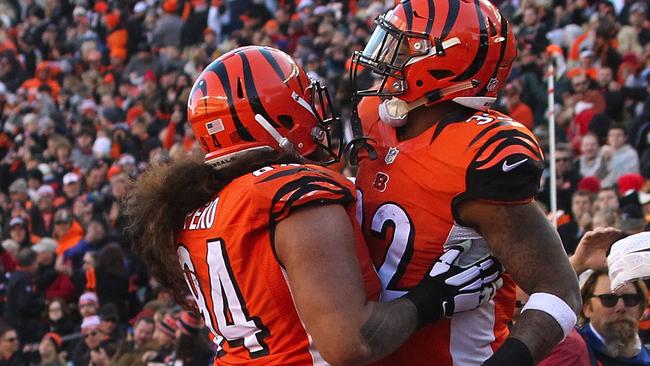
[(447, 170), (271, 252)]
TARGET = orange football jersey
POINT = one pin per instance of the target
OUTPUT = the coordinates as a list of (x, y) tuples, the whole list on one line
[(226, 249), (409, 195)]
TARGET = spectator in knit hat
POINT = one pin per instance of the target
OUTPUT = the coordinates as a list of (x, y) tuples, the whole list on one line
[(192, 348), (18, 191), (88, 304), (42, 214), (164, 335), (93, 336), (24, 301), (621, 158), (48, 279), (49, 349)]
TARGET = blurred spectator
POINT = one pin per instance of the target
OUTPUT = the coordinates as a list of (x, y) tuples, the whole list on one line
[(58, 317), (110, 321), (10, 354), (88, 305), (607, 199), (517, 109), (590, 162), (632, 219), (67, 232), (164, 335), (93, 336), (131, 352), (580, 222), (49, 349), (102, 354), (610, 321), (49, 279), (567, 179), (619, 155), (24, 301), (191, 348)]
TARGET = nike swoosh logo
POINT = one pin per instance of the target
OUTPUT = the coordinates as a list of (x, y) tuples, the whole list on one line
[(507, 168)]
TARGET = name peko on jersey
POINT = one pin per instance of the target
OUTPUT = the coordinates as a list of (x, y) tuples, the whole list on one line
[(226, 250), (409, 198)]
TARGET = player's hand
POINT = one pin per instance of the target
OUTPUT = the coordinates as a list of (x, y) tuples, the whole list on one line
[(466, 287), (449, 288), (591, 252)]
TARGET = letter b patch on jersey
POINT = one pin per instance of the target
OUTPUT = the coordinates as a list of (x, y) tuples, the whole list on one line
[(381, 181)]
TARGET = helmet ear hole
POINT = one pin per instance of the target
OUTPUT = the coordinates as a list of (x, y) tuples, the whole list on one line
[(286, 121), (240, 90), (419, 83)]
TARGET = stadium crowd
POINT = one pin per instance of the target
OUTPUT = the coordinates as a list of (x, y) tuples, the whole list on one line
[(93, 91)]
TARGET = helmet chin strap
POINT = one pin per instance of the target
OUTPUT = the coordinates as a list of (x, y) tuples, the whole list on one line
[(394, 111)]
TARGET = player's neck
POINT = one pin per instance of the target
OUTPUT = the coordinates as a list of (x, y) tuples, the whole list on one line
[(421, 119)]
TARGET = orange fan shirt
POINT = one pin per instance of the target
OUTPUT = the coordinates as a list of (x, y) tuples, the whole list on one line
[(226, 249)]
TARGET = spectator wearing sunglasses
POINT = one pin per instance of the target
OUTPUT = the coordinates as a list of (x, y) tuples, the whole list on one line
[(93, 335), (10, 354), (610, 322)]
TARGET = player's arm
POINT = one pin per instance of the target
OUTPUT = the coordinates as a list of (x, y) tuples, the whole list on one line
[(316, 246), (531, 251)]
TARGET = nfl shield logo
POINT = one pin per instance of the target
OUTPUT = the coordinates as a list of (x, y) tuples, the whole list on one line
[(391, 155)]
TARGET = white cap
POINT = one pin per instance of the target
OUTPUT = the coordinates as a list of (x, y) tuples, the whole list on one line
[(586, 53), (70, 178)]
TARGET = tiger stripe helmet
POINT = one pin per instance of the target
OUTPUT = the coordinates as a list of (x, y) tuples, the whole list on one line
[(430, 51), (258, 99)]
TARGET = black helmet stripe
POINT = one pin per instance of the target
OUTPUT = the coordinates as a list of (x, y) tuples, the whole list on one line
[(274, 63), (430, 18), (408, 12), (219, 69), (481, 53), (502, 52), (452, 14), (251, 91)]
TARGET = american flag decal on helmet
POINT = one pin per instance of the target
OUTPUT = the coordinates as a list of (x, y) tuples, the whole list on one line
[(214, 126)]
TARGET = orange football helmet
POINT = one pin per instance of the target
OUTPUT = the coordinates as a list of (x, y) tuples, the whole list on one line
[(256, 99), (430, 51)]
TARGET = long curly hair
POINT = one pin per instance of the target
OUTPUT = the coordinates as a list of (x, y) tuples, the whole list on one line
[(158, 202)]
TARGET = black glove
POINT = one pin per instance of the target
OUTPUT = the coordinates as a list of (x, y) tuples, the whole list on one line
[(448, 288)]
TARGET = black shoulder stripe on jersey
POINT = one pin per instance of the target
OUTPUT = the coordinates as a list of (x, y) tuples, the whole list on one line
[(482, 51), (303, 186), (510, 139), (219, 69), (502, 52), (408, 12), (287, 172), (452, 15), (251, 91), (274, 63), (485, 131)]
